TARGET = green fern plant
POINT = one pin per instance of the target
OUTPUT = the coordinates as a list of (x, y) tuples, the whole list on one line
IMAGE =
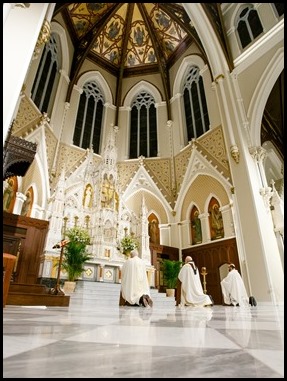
[(170, 271)]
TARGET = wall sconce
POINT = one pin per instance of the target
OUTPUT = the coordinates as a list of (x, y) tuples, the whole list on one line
[(235, 153)]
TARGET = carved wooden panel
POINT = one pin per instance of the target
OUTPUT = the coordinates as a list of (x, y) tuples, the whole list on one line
[(31, 233), (18, 155)]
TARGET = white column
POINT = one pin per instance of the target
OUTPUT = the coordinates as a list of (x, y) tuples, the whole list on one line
[(205, 227), (20, 33), (37, 212), (227, 221), (20, 198)]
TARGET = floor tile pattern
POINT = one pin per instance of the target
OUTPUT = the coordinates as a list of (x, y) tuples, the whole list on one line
[(89, 340)]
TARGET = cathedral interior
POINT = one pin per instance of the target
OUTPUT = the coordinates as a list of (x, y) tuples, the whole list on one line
[(162, 124), (135, 119)]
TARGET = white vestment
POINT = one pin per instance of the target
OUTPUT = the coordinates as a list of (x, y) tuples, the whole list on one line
[(191, 287), (134, 280), (233, 289)]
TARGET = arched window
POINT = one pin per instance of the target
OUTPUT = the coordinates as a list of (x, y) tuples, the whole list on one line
[(89, 119), (143, 131), (279, 8), (248, 26), (196, 114), (47, 77)]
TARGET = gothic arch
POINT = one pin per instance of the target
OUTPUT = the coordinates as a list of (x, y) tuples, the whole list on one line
[(139, 87), (261, 94), (185, 65), (208, 38), (97, 77), (65, 57)]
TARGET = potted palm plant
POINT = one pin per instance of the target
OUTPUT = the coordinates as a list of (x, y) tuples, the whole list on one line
[(75, 255), (170, 271)]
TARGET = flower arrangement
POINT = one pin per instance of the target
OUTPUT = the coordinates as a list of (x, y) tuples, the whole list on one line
[(77, 234), (128, 243)]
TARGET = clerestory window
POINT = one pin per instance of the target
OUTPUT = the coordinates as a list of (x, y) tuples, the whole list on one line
[(47, 77), (279, 8), (196, 113), (88, 127), (143, 128), (248, 26)]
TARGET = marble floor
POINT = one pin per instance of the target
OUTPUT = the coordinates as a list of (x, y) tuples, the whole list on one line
[(88, 341)]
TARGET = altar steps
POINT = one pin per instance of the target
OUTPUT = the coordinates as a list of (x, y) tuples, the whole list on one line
[(104, 293)]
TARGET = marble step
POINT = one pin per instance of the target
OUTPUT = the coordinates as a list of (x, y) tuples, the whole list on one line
[(104, 293)]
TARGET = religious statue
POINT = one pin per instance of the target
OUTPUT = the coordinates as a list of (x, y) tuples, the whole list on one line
[(26, 207), (87, 200), (196, 226), (216, 221), (108, 191)]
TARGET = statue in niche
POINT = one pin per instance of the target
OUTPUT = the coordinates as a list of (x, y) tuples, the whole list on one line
[(27, 205), (216, 222), (9, 195), (88, 196), (108, 191), (196, 228), (154, 232)]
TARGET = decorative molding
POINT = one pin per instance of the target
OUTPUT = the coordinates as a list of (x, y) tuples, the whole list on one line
[(258, 153), (18, 156), (234, 151), (43, 38), (266, 194)]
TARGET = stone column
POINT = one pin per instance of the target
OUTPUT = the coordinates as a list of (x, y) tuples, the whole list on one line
[(21, 30), (205, 227), (20, 198)]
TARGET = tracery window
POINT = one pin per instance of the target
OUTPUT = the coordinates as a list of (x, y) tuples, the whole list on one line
[(88, 126), (47, 77), (279, 8), (196, 113), (248, 26), (143, 128)]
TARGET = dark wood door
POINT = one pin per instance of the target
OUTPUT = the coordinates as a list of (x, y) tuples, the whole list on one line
[(212, 256), (160, 252)]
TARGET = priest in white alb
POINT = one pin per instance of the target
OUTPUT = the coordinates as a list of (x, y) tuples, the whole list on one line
[(191, 293), (233, 289), (135, 289)]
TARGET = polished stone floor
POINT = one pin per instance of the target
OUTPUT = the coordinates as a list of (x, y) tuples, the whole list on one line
[(89, 341)]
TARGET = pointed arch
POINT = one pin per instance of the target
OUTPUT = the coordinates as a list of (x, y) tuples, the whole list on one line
[(96, 76), (139, 87), (261, 94)]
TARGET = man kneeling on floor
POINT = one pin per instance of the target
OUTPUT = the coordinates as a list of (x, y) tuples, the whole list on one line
[(135, 290)]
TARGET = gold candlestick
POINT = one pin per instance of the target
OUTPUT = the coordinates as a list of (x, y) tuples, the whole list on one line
[(204, 273)]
